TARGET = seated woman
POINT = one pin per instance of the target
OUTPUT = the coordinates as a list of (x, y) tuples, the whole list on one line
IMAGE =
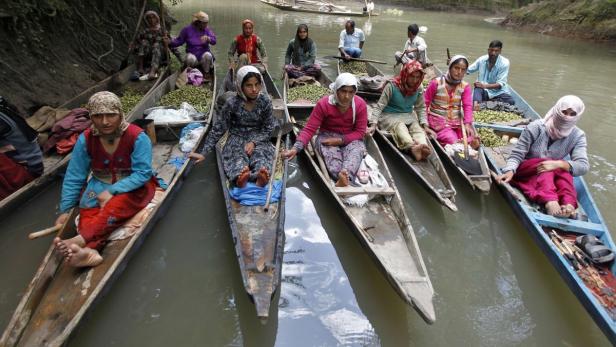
[(198, 39), (446, 98), (402, 112), (300, 56), (119, 155), (245, 46), (150, 44), (249, 118), (341, 119), (537, 166), (21, 159)]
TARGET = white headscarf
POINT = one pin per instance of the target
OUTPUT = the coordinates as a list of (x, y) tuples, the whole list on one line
[(448, 77), (343, 80), (556, 123), (241, 73)]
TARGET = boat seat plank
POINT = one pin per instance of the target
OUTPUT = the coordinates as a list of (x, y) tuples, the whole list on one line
[(349, 191), (571, 225)]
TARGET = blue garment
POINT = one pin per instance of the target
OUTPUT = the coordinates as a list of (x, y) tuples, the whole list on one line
[(351, 41), (498, 74), (79, 169), (353, 52), (253, 195)]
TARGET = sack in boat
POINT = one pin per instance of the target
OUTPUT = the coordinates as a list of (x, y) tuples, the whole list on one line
[(182, 79), (302, 81), (373, 84)]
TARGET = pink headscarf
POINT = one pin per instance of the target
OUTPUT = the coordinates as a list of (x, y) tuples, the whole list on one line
[(559, 125)]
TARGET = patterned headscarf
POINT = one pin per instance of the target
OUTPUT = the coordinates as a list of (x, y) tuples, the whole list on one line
[(154, 14), (200, 17), (247, 21), (559, 125), (106, 103), (241, 74), (343, 80), (448, 77), (407, 70)]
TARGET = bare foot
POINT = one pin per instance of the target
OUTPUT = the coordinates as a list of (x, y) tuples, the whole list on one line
[(553, 208), (416, 152), (475, 143), (263, 177), (425, 150), (568, 211), (476, 106), (343, 179), (62, 246), (83, 257), (243, 177)]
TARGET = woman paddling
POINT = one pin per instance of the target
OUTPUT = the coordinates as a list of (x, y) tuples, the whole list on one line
[(150, 45), (537, 165), (446, 98), (341, 119), (248, 117), (401, 111)]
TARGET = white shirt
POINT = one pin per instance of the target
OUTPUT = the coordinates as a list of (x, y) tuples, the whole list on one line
[(420, 44)]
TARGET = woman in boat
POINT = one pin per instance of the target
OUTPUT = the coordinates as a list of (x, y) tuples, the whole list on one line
[(448, 98), (537, 164), (300, 56), (119, 155), (198, 39), (249, 119), (150, 44), (402, 112), (245, 46), (21, 159), (341, 119)]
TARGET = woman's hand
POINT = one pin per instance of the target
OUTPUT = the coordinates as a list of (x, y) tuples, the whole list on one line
[(103, 198), (469, 130), (550, 165), (505, 178), (431, 133), (249, 148), (205, 39), (196, 156), (62, 219), (289, 153), (332, 141)]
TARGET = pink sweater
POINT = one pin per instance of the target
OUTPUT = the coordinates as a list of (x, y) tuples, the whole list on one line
[(467, 99), (326, 118)]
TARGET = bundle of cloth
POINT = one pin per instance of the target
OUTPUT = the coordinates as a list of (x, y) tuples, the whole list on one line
[(368, 175)]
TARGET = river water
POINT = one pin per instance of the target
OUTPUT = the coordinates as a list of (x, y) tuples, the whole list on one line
[(493, 285)]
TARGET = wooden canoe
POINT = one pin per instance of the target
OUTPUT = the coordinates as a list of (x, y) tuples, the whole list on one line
[(372, 71), (59, 296), (55, 163), (303, 105), (539, 225), (295, 8), (258, 235), (384, 230)]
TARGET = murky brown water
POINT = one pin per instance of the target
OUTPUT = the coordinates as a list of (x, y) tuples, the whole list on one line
[(493, 285)]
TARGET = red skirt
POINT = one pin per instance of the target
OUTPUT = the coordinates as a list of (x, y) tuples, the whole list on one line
[(12, 176), (556, 185)]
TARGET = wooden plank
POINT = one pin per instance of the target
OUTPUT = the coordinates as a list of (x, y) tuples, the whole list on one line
[(348, 191), (566, 224)]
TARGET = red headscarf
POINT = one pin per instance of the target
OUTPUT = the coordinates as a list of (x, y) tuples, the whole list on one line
[(407, 70)]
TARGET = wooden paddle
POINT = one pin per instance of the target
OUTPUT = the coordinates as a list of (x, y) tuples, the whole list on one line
[(44, 232), (162, 25), (124, 62), (356, 59), (284, 129)]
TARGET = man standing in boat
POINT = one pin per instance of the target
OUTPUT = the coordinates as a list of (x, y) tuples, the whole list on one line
[(21, 159), (119, 155), (351, 41), (493, 70)]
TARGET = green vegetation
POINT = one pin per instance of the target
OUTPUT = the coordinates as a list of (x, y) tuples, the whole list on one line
[(130, 98), (491, 116), (354, 67), (198, 97), (489, 138), (310, 92)]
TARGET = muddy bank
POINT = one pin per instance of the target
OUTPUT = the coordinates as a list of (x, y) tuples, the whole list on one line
[(466, 6), (587, 19), (52, 50)]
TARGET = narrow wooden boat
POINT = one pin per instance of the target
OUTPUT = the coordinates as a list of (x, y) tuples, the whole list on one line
[(59, 296), (56, 163), (258, 235), (302, 105), (372, 71), (599, 302), (384, 230), (315, 9)]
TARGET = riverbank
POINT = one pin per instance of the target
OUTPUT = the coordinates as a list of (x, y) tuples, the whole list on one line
[(586, 19)]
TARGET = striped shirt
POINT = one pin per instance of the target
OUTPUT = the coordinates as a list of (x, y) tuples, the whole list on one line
[(534, 143)]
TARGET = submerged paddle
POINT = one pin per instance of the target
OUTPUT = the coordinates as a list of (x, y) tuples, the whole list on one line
[(356, 59), (285, 128)]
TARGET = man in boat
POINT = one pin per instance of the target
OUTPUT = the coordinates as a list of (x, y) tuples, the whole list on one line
[(448, 100), (198, 39), (537, 164), (493, 70), (150, 43), (119, 156), (341, 119), (401, 111), (247, 48), (248, 117), (415, 48), (21, 159), (351, 41), (301, 54)]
